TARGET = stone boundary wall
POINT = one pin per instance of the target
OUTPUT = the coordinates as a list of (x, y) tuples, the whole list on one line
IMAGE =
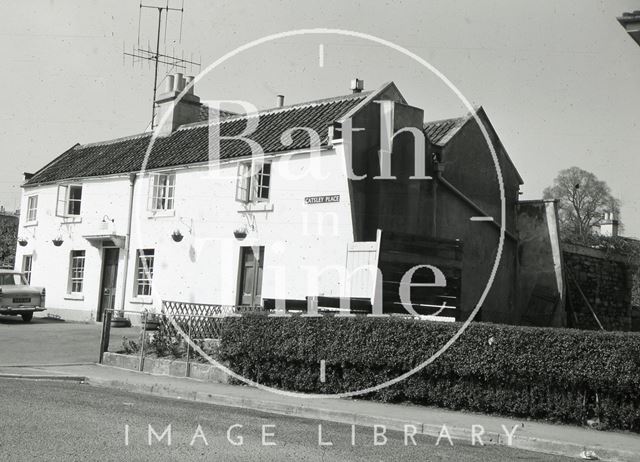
[(170, 367), (606, 281)]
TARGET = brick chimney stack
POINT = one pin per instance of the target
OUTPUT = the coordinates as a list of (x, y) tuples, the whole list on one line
[(185, 111)]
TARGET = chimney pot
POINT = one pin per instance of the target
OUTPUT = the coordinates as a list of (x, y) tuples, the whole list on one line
[(357, 85), (168, 86), (188, 80), (280, 100), (179, 82)]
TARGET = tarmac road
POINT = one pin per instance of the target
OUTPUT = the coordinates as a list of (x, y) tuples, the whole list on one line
[(62, 421), (48, 341)]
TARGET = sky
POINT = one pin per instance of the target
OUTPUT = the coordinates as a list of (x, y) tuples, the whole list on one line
[(559, 80)]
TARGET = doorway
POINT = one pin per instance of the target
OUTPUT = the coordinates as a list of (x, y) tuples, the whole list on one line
[(250, 286), (109, 281)]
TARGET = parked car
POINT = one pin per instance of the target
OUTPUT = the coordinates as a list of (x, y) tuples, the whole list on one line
[(17, 297)]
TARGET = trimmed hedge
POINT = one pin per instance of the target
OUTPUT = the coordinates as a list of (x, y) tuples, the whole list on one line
[(553, 374)]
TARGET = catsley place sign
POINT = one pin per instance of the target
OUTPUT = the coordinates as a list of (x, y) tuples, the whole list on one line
[(322, 199)]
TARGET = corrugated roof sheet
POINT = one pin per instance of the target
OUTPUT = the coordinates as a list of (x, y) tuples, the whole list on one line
[(189, 143)]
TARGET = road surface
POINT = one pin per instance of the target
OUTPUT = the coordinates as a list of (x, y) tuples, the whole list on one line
[(47, 341), (63, 421)]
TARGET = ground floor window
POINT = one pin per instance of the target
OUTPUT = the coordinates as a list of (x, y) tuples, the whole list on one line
[(76, 273), (144, 271), (27, 261)]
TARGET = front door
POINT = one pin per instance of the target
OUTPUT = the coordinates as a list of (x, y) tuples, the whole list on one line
[(109, 280), (251, 261)]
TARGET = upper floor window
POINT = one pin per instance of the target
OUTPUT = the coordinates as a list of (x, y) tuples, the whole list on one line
[(69, 200), (254, 181), (76, 271), (144, 272), (162, 191), (32, 208)]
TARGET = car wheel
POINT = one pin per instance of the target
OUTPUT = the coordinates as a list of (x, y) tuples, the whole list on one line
[(26, 317)]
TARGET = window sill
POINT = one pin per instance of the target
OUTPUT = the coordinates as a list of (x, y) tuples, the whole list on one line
[(77, 296), (141, 300), (161, 213), (30, 223), (72, 219), (257, 207)]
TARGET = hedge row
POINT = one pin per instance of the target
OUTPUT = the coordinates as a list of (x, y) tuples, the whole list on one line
[(554, 374)]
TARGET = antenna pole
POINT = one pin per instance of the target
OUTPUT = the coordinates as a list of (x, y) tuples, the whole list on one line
[(156, 57), (155, 77)]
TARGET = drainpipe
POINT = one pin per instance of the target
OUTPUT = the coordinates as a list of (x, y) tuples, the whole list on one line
[(472, 204), (127, 245), (439, 168)]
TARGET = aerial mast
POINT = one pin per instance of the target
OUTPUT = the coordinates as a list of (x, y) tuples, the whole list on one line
[(170, 61)]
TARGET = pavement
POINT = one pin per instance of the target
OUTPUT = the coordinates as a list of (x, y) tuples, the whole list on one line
[(548, 438)]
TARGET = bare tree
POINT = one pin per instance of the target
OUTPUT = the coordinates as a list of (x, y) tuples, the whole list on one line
[(582, 201)]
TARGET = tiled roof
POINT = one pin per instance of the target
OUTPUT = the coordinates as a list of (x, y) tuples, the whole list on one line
[(628, 18), (189, 143), (439, 132), (203, 116)]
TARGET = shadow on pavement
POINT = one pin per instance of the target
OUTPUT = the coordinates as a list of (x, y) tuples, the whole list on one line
[(4, 319)]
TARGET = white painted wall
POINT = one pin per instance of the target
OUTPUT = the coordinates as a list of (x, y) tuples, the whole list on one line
[(300, 240), (50, 267)]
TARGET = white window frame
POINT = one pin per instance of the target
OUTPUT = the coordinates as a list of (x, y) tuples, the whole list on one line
[(143, 286), (77, 261), (27, 269), (32, 208), (63, 203), (253, 182), (162, 195)]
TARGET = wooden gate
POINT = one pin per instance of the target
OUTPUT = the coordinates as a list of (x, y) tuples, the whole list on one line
[(399, 253)]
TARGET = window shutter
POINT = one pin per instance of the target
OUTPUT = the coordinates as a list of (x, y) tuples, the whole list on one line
[(61, 203), (242, 184), (254, 184)]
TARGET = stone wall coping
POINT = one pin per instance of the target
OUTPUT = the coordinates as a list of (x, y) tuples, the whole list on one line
[(595, 253)]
